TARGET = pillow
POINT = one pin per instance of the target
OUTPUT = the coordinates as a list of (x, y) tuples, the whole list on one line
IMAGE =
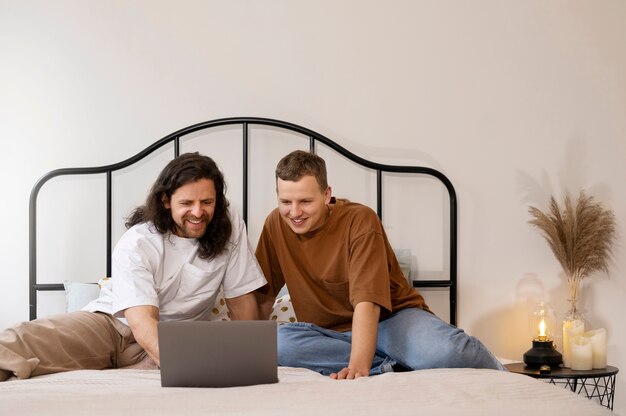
[(79, 294), (220, 310), (404, 260), (282, 311)]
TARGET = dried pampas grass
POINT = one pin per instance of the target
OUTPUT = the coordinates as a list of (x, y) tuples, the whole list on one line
[(581, 237)]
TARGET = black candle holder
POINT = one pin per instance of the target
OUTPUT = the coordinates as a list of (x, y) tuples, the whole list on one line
[(542, 353)]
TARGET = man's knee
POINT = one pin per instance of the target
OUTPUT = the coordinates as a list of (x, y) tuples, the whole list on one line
[(465, 351), (298, 342), (287, 337)]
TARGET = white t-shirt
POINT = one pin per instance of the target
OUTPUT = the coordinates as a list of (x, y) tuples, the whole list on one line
[(164, 270)]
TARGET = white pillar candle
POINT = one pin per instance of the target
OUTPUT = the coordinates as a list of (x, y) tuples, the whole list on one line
[(571, 329), (581, 353), (598, 347)]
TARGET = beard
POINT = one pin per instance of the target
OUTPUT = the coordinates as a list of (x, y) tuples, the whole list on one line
[(189, 230)]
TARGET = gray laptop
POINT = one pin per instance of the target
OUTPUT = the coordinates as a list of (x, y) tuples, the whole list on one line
[(217, 353)]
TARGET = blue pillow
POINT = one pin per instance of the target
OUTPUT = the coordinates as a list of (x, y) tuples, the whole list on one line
[(79, 294)]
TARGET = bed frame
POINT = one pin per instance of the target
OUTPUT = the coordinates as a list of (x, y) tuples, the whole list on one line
[(245, 123)]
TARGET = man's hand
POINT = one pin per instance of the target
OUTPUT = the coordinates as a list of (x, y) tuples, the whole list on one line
[(364, 335), (350, 374), (143, 321)]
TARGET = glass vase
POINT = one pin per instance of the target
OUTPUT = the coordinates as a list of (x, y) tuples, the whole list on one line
[(573, 323)]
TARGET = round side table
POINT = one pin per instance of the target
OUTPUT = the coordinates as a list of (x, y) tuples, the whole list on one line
[(596, 384)]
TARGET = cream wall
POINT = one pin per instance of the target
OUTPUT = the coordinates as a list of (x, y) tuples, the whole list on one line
[(512, 100)]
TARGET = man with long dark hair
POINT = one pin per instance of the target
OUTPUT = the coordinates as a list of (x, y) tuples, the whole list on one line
[(181, 246)]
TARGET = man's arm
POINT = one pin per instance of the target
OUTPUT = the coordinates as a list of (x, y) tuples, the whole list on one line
[(243, 307), (364, 335), (266, 303), (143, 321), (268, 260)]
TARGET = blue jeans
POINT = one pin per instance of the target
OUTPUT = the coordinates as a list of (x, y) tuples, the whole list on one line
[(412, 338)]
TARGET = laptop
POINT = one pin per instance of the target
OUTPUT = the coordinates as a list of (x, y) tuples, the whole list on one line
[(217, 353)]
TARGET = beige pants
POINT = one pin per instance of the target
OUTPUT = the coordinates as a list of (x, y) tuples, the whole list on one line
[(72, 341)]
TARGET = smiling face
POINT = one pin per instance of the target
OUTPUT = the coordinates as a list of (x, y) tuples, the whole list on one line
[(302, 205), (192, 207)]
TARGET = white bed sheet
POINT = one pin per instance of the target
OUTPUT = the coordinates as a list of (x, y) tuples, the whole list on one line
[(299, 392)]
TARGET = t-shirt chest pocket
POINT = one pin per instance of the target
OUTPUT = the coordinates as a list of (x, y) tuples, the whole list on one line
[(194, 280)]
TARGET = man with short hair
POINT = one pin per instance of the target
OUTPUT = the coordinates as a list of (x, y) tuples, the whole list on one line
[(181, 246), (357, 313)]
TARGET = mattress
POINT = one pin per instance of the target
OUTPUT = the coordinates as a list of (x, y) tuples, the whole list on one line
[(299, 391)]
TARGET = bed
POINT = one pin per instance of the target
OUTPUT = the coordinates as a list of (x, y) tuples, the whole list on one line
[(299, 392), (137, 390)]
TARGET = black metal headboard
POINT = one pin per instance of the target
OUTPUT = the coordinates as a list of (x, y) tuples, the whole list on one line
[(245, 122)]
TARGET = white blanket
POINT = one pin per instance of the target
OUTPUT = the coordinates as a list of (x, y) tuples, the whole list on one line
[(299, 392)]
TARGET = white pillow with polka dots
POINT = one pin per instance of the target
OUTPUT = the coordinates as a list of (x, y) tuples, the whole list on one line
[(282, 311), (220, 310)]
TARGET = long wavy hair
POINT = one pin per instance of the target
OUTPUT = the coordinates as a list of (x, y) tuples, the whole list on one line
[(188, 167)]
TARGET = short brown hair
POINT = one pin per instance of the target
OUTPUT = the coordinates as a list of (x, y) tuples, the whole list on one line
[(300, 163)]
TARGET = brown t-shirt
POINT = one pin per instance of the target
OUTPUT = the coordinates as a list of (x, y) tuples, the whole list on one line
[(346, 261)]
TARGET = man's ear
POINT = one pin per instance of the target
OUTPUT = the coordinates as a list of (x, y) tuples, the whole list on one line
[(328, 193), (166, 201)]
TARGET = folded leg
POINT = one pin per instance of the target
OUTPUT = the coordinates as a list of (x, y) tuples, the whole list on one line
[(73, 341), (322, 350), (417, 339)]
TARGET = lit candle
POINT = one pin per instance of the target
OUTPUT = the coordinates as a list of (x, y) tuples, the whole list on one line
[(598, 347), (571, 329), (542, 331), (582, 353)]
